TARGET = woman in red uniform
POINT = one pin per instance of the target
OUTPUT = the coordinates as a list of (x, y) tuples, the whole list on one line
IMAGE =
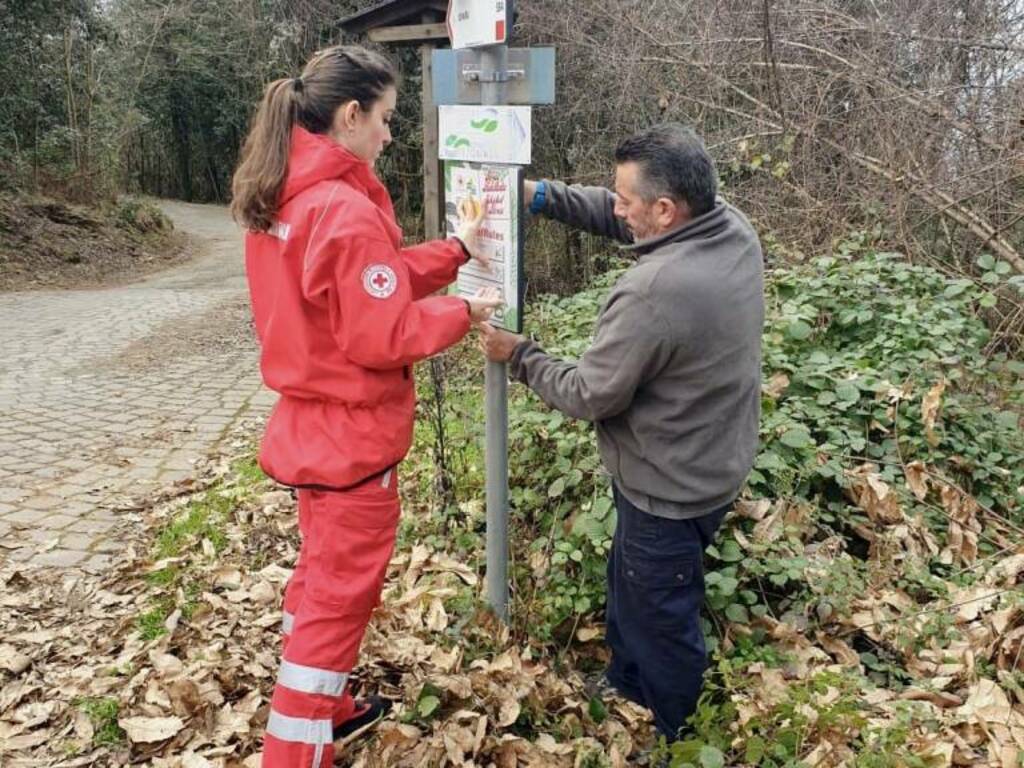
[(342, 312)]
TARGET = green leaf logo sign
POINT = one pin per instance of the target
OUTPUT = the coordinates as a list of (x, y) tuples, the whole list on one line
[(456, 142), (485, 124)]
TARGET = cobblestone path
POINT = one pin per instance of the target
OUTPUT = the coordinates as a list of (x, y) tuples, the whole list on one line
[(108, 394)]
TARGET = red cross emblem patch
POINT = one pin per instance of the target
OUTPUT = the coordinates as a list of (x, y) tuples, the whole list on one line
[(379, 280)]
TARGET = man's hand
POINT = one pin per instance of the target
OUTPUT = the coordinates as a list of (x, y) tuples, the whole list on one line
[(482, 306), (496, 344), (529, 189), (471, 216)]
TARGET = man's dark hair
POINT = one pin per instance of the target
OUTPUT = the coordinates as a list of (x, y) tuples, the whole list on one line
[(673, 163)]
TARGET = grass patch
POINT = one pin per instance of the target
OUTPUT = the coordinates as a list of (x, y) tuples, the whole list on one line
[(165, 577), (248, 472), (204, 518), (102, 713), (151, 623)]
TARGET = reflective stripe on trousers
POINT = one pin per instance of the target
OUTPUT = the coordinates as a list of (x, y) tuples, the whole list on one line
[(310, 679), (304, 732)]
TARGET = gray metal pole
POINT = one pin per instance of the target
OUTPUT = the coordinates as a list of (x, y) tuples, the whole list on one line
[(494, 60)]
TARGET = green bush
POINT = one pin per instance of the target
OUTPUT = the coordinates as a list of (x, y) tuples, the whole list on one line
[(140, 216), (861, 339)]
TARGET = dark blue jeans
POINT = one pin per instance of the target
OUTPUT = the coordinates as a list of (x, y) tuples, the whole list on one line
[(655, 594)]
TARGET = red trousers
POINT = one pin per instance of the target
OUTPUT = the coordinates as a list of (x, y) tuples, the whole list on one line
[(347, 541)]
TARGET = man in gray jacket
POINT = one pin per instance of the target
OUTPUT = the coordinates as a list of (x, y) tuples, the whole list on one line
[(673, 384)]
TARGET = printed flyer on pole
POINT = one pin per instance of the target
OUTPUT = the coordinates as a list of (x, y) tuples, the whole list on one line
[(499, 189)]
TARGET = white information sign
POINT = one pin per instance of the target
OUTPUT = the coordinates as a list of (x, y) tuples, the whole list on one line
[(499, 189), (473, 23), (485, 134)]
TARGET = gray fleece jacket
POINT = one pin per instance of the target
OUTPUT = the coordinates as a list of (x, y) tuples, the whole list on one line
[(673, 378)]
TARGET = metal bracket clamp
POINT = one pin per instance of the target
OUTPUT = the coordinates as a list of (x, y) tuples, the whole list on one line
[(528, 77), (478, 76)]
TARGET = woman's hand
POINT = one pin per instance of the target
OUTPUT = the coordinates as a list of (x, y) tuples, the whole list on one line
[(471, 216), (482, 306)]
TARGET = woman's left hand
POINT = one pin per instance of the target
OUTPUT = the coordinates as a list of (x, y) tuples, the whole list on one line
[(482, 305)]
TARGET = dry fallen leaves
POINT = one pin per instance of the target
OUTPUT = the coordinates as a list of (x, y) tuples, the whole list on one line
[(198, 695), (148, 729), (964, 526), (917, 479), (776, 385), (931, 404), (873, 495)]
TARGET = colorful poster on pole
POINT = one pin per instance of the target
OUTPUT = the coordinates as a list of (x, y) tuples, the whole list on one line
[(484, 134), (499, 188)]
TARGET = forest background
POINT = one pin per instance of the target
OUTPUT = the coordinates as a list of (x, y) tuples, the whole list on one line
[(864, 602)]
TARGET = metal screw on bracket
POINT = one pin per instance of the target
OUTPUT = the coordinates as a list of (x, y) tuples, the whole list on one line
[(476, 76)]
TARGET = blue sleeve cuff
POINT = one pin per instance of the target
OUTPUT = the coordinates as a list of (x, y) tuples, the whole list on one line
[(540, 197)]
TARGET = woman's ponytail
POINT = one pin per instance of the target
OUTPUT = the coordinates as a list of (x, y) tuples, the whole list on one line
[(332, 78), (256, 187)]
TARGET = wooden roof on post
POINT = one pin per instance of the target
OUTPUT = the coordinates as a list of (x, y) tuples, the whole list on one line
[(400, 21)]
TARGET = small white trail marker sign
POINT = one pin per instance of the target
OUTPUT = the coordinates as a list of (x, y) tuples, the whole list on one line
[(475, 23)]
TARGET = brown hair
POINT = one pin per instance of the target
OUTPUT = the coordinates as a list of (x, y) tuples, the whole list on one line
[(332, 78)]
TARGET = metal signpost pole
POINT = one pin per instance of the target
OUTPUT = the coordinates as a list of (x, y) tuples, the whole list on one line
[(482, 88), (493, 66)]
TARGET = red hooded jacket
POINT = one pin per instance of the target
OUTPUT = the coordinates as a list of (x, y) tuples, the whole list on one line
[(341, 312)]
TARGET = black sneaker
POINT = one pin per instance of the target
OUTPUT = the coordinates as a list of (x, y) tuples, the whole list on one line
[(368, 713)]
